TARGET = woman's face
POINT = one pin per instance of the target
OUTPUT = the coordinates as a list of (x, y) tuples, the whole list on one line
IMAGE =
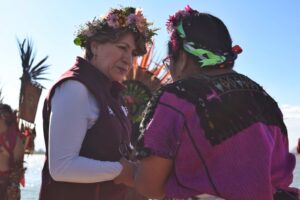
[(114, 59), (170, 65), (174, 70)]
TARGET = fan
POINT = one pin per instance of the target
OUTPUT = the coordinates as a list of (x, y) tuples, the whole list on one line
[(145, 77)]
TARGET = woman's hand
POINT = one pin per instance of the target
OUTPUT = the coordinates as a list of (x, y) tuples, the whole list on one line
[(127, 174), (148, 176)]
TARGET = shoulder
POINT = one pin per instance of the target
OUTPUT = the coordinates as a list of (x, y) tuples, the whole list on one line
[(186, 85), (183, 92), (72, 85), (71, 88), (71, 93)]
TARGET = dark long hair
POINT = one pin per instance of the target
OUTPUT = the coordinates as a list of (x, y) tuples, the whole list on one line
[(206, 31)]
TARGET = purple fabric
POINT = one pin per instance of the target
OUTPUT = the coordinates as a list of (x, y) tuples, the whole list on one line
[(252, 164)]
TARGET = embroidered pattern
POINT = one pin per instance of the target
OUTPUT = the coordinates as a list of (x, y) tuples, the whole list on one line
[(226, 104)]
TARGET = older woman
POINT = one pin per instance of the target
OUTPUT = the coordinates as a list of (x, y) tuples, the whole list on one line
[(85, 120), (213, 133)]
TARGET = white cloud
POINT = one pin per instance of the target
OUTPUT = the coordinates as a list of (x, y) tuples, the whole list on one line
[(290, 112), (291, 115)]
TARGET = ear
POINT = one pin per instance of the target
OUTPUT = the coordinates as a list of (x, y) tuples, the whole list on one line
[(182, 62), (94, 46)]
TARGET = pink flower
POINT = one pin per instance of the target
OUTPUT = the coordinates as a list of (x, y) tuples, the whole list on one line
[(112, 20), (131, 19), (141, 23), (169, 24), (138, 11), (188, 9), (179, 15), (116, 19)]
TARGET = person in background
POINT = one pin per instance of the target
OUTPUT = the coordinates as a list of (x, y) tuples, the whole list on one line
[(84, 116), (214, 133), (11, 154)]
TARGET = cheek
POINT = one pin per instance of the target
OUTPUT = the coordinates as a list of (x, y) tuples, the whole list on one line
[(104, 61), (111, 57), (173, 70)]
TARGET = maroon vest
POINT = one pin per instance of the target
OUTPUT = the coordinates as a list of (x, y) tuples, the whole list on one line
[(101, 142)]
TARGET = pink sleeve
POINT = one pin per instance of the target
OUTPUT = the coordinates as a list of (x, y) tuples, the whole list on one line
[(283, 163), (163, 131)]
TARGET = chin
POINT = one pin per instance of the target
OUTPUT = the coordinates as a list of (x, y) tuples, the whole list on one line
[(119, 79)]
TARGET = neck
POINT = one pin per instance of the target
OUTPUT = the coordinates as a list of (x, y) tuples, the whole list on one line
[(216, 71), (196, 70)]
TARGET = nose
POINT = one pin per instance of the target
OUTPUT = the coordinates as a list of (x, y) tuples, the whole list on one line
[(128, 59)]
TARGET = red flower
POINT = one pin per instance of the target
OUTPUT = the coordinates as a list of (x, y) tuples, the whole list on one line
[(26, 133), (237, 49), (188, 9)]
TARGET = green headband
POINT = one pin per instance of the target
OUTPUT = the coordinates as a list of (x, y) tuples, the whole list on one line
[(206, 57)]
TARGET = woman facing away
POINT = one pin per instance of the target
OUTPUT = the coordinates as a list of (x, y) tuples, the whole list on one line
[(85, 119), (11, 154), (213, 133)]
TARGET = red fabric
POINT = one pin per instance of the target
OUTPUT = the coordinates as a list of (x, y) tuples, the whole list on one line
[(22, 181), (26, 133), (8, 140)]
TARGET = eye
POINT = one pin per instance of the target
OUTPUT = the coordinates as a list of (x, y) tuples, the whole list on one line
[(124, 48)]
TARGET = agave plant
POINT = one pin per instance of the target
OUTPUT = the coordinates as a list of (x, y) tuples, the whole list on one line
[(30, 87), (31, 73), (30, 90)]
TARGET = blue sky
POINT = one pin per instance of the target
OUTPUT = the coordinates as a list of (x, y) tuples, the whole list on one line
[(268, 31)]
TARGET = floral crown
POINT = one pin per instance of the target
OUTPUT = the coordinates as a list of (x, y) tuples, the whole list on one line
[(125, 18), (175, 20)]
